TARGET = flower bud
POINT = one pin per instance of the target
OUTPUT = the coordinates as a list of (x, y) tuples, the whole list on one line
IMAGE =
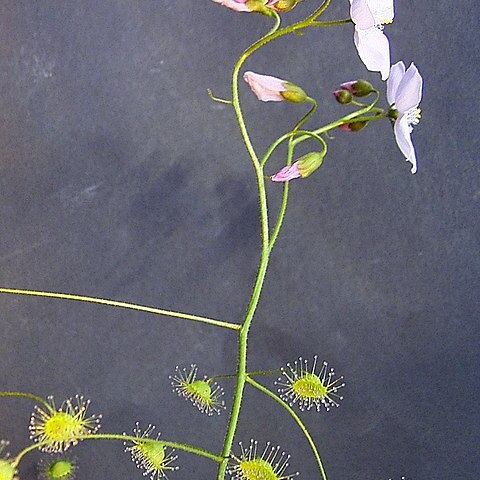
[(273, 89), (303, 167), (293, 93), (353, 126), (343, 96), (358, 88), (286, 174), (285, 5), (258, 6), (310, 162)]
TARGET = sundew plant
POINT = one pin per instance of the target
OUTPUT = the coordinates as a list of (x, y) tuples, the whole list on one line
[(58, 425)]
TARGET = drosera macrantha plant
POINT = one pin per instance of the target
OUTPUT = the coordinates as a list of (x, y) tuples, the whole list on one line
[(305, 384)]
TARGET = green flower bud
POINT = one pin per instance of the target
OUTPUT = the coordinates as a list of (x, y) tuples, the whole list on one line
[(354, 126), (358, 88), (343, 96), (310, 162), (258, 6), (285, 5), (301, 168), (293, 93)]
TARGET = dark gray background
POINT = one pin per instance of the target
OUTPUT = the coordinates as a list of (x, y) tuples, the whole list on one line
[(119, 178)]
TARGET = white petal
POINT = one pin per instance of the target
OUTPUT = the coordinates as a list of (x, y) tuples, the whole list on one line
[(361, 14), (374, 50), (409, 91), (265, 87), (397, 72), (382, 10), (403, 137)]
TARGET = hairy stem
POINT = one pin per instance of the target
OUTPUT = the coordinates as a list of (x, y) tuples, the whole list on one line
[(266, 245), (130, 306), (180, 446), (290, 148), (31, 396), (299, 422), (22, 453)]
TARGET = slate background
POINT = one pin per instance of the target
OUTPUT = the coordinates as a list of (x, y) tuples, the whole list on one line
[(119, 178)]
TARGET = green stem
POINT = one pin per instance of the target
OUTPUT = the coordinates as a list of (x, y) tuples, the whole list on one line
[(180, 446), (257, 372), (305, 134), (368, 118), (316, 13), (23, 452), (276, 25), (332, 23), (242, 362), (304, 430), (284, 137), (343, 120), (284, 201), (31, 396), (114, 303), (265, 243), (217, 99)]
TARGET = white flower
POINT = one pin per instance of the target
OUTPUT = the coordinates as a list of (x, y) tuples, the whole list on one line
[(373, 47), (404, 92)]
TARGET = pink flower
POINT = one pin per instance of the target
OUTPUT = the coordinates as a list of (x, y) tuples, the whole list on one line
[(286, 173), (272, 89), (237, 5), (303, 167), (265, 87), (404, 93), (250, 5)]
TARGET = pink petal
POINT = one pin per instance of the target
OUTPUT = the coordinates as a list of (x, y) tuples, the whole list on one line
[(374, 50), (409, 92), (403, 137), (286, 173), (265, 87), (397, 72), (348, 86), (237, 5)]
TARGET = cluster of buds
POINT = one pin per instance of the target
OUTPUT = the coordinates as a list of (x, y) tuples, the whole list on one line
[(344, 95), (356, 88)]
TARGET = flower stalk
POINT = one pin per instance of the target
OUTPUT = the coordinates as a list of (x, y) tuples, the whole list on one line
[(297, 419), (266, 243)]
